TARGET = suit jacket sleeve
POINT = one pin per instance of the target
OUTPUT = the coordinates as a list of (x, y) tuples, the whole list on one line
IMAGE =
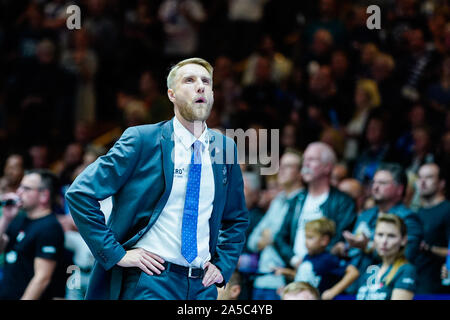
[(234, 224), (98, 181)]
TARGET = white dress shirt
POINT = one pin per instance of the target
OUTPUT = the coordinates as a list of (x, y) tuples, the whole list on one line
[(164, 237)]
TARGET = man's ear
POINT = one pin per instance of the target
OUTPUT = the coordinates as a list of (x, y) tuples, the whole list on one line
[(171, 95), (235, 290), (45, 196)]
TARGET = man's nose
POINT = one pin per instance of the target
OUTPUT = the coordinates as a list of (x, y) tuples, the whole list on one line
[(200, 87)]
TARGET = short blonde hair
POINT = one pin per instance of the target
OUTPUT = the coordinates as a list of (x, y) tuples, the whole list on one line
[(323, 226), (173, 71), (370, 87), (297, 287)]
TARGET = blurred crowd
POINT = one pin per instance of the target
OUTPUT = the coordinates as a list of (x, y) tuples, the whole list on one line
[(364, 119)]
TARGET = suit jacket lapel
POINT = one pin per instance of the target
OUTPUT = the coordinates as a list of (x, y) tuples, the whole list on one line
[(167, 146), (216, 167)]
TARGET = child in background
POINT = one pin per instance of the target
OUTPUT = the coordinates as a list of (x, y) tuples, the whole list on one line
[(323, 270), (300, 291), (394, 278)]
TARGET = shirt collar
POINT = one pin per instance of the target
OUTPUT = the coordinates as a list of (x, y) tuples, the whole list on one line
[(187, 138)]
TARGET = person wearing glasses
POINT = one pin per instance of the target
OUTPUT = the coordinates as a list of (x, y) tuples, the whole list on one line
[(31, 238)]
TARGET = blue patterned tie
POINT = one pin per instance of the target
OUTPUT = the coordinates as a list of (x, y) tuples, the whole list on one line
[(190, 212)]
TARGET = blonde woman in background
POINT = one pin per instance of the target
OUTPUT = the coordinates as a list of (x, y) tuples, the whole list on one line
[(366, 98), (395, 277)]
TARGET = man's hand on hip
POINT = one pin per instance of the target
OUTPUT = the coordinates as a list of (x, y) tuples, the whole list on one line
[(148, 262), (212, 275)]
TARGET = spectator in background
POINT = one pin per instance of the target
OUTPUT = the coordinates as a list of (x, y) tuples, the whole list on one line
[(343, 73), (248, 262), (443, 156), (319, 51), (434, 215), (421, 155), (261, 240), (72, 158), (39, 92), (439, 92), (227, 90), (319, 200), (280, 65), (366, 98), (417, 67), (157, 106), (181, 21), (376, 150), (31, 30), (39, 156), (339, 173), (395, 278), (382, 71), (260, 100), (355, 190), (367, 54), (335, 139), (33, 242), (252, 189), (388, 189), (300, 291), (12, 173), (328, 19), (270, 192), (323, 270), (81, 61), (245, 18), (417, 117)]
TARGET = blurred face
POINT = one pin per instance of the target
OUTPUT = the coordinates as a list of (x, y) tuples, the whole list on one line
[(263, 70), (251, 196), (321, 80), (314, 242), (338, 174), (384, 187), (388, 240), (313, 167), (421, 140), (339, 63), (361, 97), (288, 138), (428, 182), (374, 134), (73, 154), (14, 169), (192, 93), (289, 171), (29, 191)]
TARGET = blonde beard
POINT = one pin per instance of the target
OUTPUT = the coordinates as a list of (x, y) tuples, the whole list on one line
[(195, 113)]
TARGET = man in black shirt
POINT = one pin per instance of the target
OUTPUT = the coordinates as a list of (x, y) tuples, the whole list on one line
[(32, 239), (435, 217)]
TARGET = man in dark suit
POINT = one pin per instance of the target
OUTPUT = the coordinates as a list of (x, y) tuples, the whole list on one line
[(178, 221)]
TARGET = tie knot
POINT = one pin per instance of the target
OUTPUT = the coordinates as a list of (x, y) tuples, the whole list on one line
[(196, 154), (197, 146)]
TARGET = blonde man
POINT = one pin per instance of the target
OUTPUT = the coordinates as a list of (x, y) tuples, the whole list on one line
[(173, 194)]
